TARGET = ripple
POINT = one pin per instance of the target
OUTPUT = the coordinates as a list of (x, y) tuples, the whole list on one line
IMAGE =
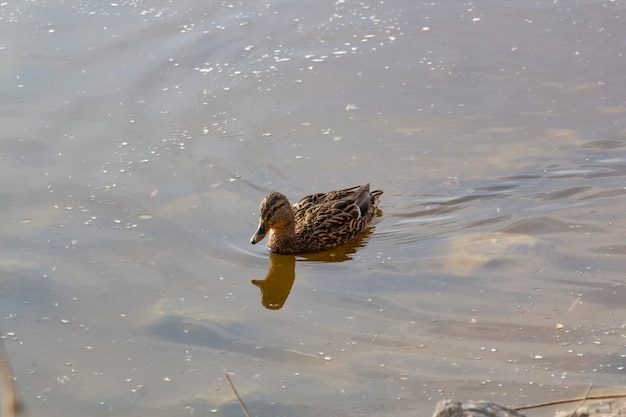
[(616, 192), (252, 254), (561, 194), (547, 224), (604, 144)]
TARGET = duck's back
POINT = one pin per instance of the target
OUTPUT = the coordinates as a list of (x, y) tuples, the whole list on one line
[(326, 220)]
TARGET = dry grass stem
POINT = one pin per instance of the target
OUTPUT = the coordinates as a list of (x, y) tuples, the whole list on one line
[(243, 406), (572, 400)]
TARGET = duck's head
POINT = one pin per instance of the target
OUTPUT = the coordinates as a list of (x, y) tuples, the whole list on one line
[(275, 213)]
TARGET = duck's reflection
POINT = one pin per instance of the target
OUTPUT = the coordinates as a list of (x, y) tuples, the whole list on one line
[(276, 286)]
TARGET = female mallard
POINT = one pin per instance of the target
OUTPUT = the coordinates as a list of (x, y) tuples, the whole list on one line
[(318, 221)]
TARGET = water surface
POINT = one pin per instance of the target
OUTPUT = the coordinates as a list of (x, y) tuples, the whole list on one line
[(138, 140)]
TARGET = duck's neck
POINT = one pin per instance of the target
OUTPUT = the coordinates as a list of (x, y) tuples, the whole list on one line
[(284, 239)]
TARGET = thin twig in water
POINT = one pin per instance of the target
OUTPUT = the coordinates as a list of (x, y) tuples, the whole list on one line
[(572, 400), (585, 396), (243, 406), (574, 303)]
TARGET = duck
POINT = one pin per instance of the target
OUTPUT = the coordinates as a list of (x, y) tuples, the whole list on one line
[(316, 223)]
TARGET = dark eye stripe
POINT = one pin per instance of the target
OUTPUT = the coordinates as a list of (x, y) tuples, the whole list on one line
[(273, 203), (275, 208)]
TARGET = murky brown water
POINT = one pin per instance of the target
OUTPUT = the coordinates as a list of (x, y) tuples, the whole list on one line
[(138, 140)]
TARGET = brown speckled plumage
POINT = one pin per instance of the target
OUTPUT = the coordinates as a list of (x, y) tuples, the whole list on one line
[(318, 221)]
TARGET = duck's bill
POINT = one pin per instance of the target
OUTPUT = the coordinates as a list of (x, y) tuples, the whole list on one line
[(260, 234)]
